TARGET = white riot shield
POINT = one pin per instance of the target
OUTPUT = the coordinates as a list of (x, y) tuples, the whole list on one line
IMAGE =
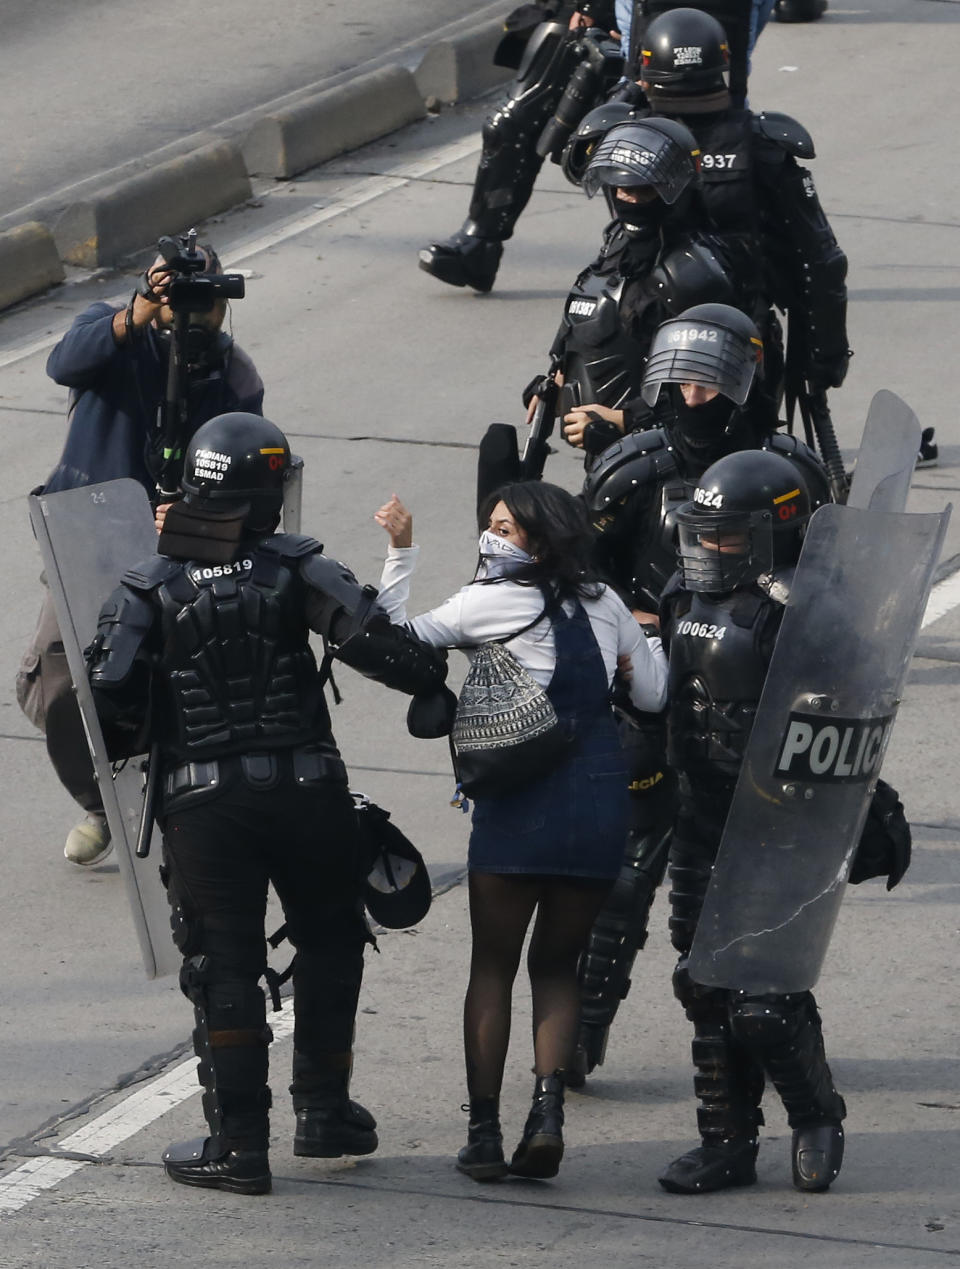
[(887, 455), (88, 538), (814, 754), (293, 495)]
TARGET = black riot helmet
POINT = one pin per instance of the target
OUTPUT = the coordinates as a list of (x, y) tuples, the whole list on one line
[(236, 460), (715, 345), (593, 127), (748, 515), (684, 54), (655, 159)]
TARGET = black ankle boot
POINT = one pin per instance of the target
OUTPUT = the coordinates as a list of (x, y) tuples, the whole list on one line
[(329, 1124), (213, 1165), (712, 1166), (817, 1152), (463, 260), (482, 1156), (541, 1146)]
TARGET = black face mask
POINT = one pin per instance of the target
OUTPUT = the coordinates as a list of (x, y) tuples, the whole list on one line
[(641, 219), (704, 426)]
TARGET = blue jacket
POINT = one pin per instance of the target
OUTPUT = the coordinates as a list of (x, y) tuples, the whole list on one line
[(116, 390)]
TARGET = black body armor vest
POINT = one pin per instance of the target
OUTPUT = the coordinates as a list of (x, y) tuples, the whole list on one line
[(238, 674), (720, 647)]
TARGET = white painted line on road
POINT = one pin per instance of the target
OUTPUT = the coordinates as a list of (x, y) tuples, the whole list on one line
[(104, 1133), (362, 191), (943, 597)]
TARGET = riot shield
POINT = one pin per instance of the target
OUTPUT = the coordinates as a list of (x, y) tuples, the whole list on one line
[(814, 754), (88, 538), (887, 455), (293, 495)]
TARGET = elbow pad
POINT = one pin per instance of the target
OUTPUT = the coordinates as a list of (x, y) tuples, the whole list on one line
[(392, 656), (125, 621)]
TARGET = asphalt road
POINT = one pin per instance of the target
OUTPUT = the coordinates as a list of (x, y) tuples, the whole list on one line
[(88, 86), (385, 380)]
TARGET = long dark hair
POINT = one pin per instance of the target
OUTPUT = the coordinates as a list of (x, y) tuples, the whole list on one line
[(559, 536)]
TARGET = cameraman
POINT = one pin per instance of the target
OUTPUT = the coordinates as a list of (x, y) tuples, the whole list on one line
[(115, 363)]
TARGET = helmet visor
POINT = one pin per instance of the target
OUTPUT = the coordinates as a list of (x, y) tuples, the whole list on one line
[(719, 551), (702, 353), (645, 159)]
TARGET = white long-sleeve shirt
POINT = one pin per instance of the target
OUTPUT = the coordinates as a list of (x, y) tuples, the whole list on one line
[(479, 613)]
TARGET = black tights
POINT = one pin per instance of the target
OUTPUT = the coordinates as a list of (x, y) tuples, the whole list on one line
[(500, 910)]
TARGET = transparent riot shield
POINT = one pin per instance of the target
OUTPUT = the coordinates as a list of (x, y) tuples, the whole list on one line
[(887, 455), (818, 740), (88, 538)]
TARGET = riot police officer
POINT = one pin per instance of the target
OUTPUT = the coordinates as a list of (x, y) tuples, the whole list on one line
[(205, 647), (510, 160), (703, 376), (753, 185), (739, 539), (660, 256)]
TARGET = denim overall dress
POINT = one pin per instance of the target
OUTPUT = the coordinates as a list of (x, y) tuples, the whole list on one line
[(572, 822)]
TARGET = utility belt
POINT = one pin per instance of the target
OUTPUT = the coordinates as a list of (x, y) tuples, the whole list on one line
[(308, 766)]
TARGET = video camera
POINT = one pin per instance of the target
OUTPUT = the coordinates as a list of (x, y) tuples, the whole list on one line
[(194, 291)]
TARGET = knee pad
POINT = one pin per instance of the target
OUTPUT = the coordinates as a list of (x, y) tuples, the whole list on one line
[(764, 1022), (699, 1002)]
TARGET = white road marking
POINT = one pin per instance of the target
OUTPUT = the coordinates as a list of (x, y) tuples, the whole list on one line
[(104, 1133), (363, 190)]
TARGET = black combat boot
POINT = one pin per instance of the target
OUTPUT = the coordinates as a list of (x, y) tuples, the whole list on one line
[(800, 10), (729, 1087), (464, 260), (482, 1156), (817, 1152), (329, 1124), (541, 1146), (212, 1164)]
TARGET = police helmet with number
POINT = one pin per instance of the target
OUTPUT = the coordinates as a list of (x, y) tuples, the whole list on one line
[(685, 53), (234, 460), (659, 156), (714, 345), (748, 515)]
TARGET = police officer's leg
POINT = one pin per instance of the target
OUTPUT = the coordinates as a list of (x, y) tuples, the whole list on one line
[(727, 1082), (784, 1034), (319, 883), (217, 892), (621, 928), (508, 166)]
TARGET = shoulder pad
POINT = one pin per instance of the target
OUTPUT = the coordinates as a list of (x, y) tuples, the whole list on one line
[(785, 132), (291, 546), (334, 580), (642, 458), (151, 572)]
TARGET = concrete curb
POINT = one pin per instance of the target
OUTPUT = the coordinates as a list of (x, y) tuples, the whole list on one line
[(124, 217), (291, 141), (29, 262), (113, 221), (462, 67)]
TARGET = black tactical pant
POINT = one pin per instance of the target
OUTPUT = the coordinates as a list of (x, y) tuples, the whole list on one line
[(221, 854)]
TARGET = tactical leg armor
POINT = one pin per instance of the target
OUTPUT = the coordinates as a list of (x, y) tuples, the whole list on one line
[(618, 934), (509, 164), (784, 1034), (230, 1039), (729, 1085)]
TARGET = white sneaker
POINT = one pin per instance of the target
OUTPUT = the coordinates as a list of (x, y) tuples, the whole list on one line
[(88, 842)]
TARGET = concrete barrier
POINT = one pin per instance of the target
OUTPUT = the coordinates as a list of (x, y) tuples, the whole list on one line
[(462, 67), (289, 141), (122, 218), (29, 262)]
